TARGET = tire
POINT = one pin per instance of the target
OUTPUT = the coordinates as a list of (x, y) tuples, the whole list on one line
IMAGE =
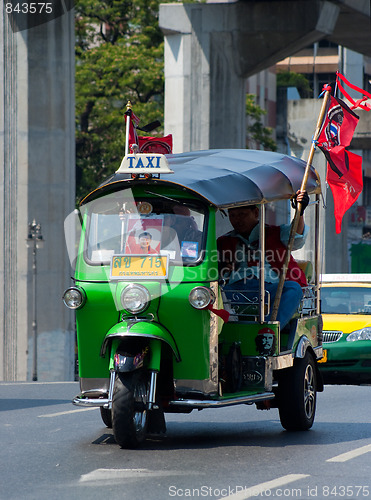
[(129, 412), (106, 417), (297, 394)]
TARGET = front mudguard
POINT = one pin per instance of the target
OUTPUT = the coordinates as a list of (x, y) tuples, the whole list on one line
[(302, 347), (154, 333)]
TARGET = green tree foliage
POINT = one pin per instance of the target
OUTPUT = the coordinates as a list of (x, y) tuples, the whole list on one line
[(257, 133), (119, 57), (291, 79)]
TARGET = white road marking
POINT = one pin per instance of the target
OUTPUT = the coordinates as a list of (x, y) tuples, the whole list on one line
[(344, 457), (119, 474), (258, 489), (67, 412)]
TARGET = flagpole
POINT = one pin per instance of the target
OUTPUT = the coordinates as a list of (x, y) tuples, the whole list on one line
[(127, 114), (294, 224)]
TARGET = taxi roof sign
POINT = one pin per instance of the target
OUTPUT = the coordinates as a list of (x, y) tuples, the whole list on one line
[(140, 163)]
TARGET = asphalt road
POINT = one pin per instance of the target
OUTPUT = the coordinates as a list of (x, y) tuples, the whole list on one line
[(52, 449)]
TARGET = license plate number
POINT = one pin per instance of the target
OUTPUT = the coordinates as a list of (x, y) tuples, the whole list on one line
[(139, 267)]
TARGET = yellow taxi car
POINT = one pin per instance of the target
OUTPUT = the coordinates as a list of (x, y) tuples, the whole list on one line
[(346, 313)]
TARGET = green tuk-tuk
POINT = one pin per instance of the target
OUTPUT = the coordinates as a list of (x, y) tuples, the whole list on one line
[(153, 333)]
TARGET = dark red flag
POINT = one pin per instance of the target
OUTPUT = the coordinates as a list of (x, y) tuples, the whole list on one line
[(344, 169), (347, 187), (163, 145)]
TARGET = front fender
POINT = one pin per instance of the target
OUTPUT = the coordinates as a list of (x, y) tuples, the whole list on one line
[(143, 329), (303, 346)]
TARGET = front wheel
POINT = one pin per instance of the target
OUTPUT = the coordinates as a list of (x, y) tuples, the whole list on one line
[(129, 408), (297, 394), (106, 417)]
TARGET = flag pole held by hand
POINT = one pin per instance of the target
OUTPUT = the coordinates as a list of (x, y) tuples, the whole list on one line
[(294, 224)]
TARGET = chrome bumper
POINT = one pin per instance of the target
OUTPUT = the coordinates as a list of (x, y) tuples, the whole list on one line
[(83, 399)]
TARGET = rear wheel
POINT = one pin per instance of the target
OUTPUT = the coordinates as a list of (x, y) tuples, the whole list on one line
[(129, 409), (297, 395)]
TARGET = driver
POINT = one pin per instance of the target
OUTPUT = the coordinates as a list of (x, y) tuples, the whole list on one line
[(238, 253)]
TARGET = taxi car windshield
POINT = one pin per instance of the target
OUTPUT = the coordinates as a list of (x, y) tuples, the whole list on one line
[(345, 300)]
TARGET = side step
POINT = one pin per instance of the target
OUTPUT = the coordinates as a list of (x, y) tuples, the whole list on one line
[(219, 403)]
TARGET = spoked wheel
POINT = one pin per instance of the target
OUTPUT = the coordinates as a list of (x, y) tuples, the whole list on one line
[(106, 417), (129, 409), (297, 395)]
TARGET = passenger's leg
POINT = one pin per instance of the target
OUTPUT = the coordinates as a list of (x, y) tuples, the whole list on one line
[(290, 300)]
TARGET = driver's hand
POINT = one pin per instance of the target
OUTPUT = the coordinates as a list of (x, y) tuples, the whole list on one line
[(301, 197)]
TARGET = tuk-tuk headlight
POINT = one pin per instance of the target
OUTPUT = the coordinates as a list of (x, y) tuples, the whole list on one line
[(135, 298), (74, 297), (200, 297)]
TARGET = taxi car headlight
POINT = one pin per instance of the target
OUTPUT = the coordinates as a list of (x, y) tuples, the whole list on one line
[(363, 334), (74, 297), (135, 298), (200, 297)]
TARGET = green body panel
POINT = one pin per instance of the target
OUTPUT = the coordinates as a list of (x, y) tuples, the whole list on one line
[(144, 328), (154, 362), (93, 321), (191, 329), (309, 328), (245, 333), (114, 347)]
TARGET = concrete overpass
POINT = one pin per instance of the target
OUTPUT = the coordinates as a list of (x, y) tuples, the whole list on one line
[(210, 49)]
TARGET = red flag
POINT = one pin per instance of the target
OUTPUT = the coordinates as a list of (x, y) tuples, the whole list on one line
[(347, 187), (344, 169), (338, 126), (222, 313), (360, 102), (163, 145)]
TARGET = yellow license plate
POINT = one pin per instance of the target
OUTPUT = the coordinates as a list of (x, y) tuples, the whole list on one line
[(139, 267), (324, 359)]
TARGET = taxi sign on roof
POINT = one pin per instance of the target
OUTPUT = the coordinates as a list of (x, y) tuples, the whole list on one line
[(140, 163), (346, 278)]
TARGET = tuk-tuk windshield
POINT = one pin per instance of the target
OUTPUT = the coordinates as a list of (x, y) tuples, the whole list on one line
[(157, 225)]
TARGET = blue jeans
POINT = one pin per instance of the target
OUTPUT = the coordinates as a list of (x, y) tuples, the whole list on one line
[(290, 298)]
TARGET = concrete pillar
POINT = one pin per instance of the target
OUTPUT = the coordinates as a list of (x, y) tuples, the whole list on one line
[(13, 194), (200, 79), (210, 49), (37, 182)]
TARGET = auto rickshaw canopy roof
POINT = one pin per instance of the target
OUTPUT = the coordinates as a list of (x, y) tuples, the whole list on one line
[(226, 177)]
